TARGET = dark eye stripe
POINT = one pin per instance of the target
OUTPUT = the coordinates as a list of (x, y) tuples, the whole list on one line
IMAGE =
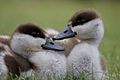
[(31, 29), (83, 16), (35, 34), (80, 21)]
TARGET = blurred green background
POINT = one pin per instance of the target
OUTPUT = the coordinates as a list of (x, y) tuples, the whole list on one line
[(55, 14)]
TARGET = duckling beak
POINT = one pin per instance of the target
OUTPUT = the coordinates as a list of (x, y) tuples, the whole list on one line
[(67, 33), (51, 45)]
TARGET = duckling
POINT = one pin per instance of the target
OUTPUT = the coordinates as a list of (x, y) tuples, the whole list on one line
[(47, 57), (84, 59)]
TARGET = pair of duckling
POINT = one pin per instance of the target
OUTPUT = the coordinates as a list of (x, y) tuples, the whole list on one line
[(32, 49)]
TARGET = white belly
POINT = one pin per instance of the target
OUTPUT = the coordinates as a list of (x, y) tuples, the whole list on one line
[(50, 64), (84, 60)]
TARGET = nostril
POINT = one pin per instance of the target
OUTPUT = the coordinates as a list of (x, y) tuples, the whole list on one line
[(51, 43), (65, 31)]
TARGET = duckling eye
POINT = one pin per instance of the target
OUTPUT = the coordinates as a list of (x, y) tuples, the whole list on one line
[(35, 34), (80, 22), (83, 20)]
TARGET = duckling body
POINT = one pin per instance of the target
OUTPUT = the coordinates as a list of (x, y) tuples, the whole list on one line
[(84, 59)]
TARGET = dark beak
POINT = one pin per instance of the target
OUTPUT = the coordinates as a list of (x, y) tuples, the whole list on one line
[(51, 45), (67, 33)]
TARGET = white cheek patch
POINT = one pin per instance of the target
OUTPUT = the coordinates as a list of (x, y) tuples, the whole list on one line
[(24, 43), (88, 30), (76, 29), (40, 41), (30, 39), (87, 26)]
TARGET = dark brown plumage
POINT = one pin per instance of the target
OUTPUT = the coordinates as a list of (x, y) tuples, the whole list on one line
[(83, 16), (30, 29), (12, 65)]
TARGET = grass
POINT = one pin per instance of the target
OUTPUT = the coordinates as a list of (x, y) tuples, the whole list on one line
[(55, 14)]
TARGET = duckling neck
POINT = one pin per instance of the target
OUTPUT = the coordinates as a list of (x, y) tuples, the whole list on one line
[(39, 58), (92, 41)]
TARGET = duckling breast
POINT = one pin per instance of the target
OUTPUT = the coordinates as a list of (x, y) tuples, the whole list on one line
[(50, 64)]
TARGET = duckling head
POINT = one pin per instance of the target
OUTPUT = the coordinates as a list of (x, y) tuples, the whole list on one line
[(29, 38), (84, 25)]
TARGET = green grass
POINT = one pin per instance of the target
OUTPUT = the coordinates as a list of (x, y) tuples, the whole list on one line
[(55, 14)]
